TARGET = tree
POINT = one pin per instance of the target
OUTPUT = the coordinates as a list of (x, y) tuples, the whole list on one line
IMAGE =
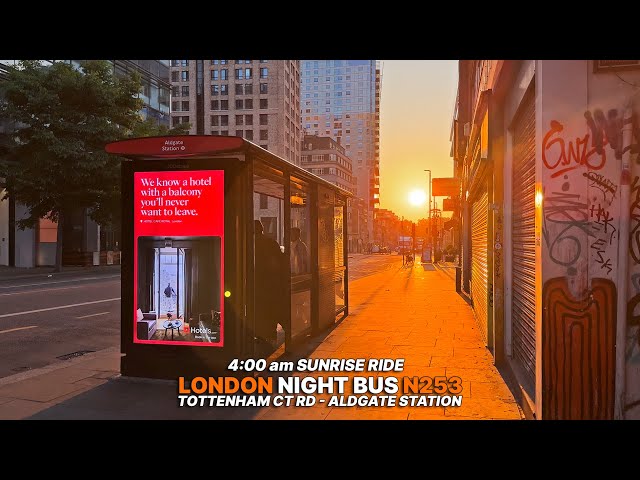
[(55, 159)]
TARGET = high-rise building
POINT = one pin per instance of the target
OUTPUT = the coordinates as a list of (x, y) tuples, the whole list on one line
[(341, 99), (258, 100)]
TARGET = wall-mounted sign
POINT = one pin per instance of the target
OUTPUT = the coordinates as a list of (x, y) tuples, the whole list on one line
[(445, 187), (448, 205), (615, 65)]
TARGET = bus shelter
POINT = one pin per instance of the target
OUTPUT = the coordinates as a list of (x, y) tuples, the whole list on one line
[(228, 251)]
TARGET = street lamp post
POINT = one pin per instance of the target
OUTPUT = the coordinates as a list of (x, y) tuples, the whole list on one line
[(429, 217)]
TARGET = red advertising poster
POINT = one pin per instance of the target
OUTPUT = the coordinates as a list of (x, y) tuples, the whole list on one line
[(179, 258)]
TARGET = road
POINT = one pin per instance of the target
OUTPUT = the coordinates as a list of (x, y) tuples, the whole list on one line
[(364, 265), (43, 318)]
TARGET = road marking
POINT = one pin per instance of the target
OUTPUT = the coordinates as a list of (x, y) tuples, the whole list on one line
[(41, 290), (61, 281), (58, 308), (94, 315), (19, 328)]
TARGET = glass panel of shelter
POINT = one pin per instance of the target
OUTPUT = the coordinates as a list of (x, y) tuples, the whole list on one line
[(270, 263), (300, 256)]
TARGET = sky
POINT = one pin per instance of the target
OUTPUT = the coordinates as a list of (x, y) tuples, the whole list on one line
[(416, 113)]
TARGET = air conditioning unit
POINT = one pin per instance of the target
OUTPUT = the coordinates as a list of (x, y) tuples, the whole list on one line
[(466, 129)]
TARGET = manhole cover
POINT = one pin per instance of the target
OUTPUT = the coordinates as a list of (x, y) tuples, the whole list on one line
[(69, 356)]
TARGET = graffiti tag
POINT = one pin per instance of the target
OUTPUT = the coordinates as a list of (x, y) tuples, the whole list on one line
[(634, 234), (603, 221), (557, 153), (603, 184), (570, 214), (599, 246)]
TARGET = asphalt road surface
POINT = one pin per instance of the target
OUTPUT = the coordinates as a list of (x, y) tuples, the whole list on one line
[(364, 265), (42, 318)]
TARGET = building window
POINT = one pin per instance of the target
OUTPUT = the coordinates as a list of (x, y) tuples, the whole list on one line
[(215, 105), (175, 121), (248, 119), (175, 91), (239, 119), (264, 134), (215, 75), (224, 74), (239, 133), (239, 89), (185, 106), (185, 119), (264, 72), (185, 90), (224, 104), (215, 89), (175, 106), (239, 104), (239, 73), (214, 62), (223, 62), (238, 62), (264, 88), (175, 63), (224, 133), (264, 103), (224, 89), (264, 119), (264, 201), (174, 76), (248, 89), (248, 73), (248, 134), (224, 120), (184, 75), (263, 61), (247, 61), (215, 121), (248, 103)]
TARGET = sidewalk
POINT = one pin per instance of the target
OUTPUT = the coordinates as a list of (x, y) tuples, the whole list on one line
[(15, 273), (412, 313)]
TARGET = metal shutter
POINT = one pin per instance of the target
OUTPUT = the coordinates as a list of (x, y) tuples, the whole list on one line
[(479, 270), (523, 299)]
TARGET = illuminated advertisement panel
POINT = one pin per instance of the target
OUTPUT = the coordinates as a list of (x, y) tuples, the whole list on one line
[(179, 258)]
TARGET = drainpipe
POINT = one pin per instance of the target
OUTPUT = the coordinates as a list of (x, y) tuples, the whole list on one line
[(623, 264)]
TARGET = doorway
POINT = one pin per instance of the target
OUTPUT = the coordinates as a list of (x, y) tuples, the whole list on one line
[(169, 280)]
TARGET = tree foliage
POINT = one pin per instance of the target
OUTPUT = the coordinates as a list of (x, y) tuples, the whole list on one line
[(55, 160)]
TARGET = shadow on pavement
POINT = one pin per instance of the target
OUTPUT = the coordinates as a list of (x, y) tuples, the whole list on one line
[(132, 399)]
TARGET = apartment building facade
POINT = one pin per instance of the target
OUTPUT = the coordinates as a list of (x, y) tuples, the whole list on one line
[(325, 157), (341, 99), (258, 100)]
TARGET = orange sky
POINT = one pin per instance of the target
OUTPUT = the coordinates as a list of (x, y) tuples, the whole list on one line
[(416, 112)]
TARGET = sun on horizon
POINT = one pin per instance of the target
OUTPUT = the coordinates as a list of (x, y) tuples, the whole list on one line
[(417, 197)]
